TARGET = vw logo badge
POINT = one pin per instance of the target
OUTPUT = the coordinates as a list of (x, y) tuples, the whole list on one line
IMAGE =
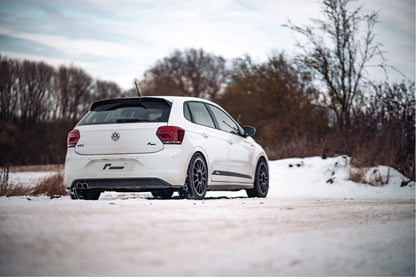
[(115, 136)]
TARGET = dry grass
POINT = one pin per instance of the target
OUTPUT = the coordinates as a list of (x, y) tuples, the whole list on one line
[(46, 167), (52, 186), (16, 191), (357, 175), (369, 176)]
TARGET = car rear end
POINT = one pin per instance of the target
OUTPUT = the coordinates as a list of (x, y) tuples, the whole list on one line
[(126, 145)]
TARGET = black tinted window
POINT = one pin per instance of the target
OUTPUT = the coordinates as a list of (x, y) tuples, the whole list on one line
[(127, 111), (200, 114), (224, 122)]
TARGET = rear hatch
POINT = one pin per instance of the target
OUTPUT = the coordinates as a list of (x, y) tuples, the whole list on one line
[(123, 126)]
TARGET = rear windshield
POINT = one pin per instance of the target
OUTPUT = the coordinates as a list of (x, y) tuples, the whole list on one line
[(127, 111)]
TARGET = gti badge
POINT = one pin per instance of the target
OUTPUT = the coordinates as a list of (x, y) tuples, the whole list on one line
[(115, 136)]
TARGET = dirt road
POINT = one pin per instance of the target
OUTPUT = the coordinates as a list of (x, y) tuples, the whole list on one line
[(235, 236)]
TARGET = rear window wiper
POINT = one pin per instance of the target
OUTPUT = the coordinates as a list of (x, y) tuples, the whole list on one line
[(130, 120)]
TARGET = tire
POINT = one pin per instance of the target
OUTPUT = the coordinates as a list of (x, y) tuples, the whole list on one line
[(261, 181), (88, 194), (197, 178), (183, 192), (163, 194), (73, 194)]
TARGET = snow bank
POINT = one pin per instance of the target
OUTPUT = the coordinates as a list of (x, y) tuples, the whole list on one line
[(298, 178), (328, 178)]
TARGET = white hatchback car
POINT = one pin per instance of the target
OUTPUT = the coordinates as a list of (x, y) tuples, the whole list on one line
[(162, 145)]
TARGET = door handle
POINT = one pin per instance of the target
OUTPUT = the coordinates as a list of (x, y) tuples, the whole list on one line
[(204, 135), (230, 141)]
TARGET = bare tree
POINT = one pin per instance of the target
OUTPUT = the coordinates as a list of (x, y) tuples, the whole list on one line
[(106, 90), (73, 92), (384, 126), (338, 49), (8, 90), (42, 103), (275, 97), (35, 83), (190, 73)]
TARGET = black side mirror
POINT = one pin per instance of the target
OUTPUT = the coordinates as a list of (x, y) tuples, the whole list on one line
[(249, 131)]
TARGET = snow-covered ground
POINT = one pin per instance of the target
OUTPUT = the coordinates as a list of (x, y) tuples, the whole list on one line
[(313, 222), (316, 177), (28, 178), (308, 177)]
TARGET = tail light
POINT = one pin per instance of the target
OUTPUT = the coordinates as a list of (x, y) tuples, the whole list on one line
[(170, 134), (73, 138)]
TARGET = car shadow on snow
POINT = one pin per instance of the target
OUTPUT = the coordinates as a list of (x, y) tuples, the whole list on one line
[(131, 196), (206, 198)]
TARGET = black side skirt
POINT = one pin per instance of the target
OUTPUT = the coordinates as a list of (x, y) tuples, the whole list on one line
[(231, 174)]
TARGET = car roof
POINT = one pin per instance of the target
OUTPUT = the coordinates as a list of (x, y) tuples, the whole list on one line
[(184, 98), (169, 98), (172, 99)]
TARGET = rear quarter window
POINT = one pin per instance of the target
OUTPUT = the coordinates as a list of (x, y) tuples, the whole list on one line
[(127, 111), (199, 114)]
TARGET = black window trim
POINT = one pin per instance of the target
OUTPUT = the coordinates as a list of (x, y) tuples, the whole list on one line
[(190, 113)]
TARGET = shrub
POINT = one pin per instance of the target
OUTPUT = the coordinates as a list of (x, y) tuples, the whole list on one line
[(52, 186), (357, 175)]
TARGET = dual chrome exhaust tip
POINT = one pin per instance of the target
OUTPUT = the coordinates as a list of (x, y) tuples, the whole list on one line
[(82, 185)]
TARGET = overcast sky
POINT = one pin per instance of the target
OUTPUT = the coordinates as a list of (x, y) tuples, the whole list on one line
[(118, 40)]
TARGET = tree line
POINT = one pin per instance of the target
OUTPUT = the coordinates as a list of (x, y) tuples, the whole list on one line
[(39, 104), (294, 117), (321, 101)]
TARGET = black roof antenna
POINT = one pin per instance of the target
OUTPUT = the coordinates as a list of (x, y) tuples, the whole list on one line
[(137, 87)]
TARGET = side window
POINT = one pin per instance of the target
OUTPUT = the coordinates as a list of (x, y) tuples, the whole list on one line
[(186, 111), (200, 114), (224, 122)]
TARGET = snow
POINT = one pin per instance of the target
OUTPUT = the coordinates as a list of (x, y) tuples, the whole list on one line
[(300, 178), (273, 236), (313, 222), (316, 177), (28, 178)]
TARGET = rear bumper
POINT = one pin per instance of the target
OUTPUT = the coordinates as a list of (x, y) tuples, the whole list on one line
[(135, 172), (125, 184)]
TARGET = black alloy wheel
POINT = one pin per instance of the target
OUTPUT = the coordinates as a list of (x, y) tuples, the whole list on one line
[(73, 194), (197, 178), (261, 182)]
